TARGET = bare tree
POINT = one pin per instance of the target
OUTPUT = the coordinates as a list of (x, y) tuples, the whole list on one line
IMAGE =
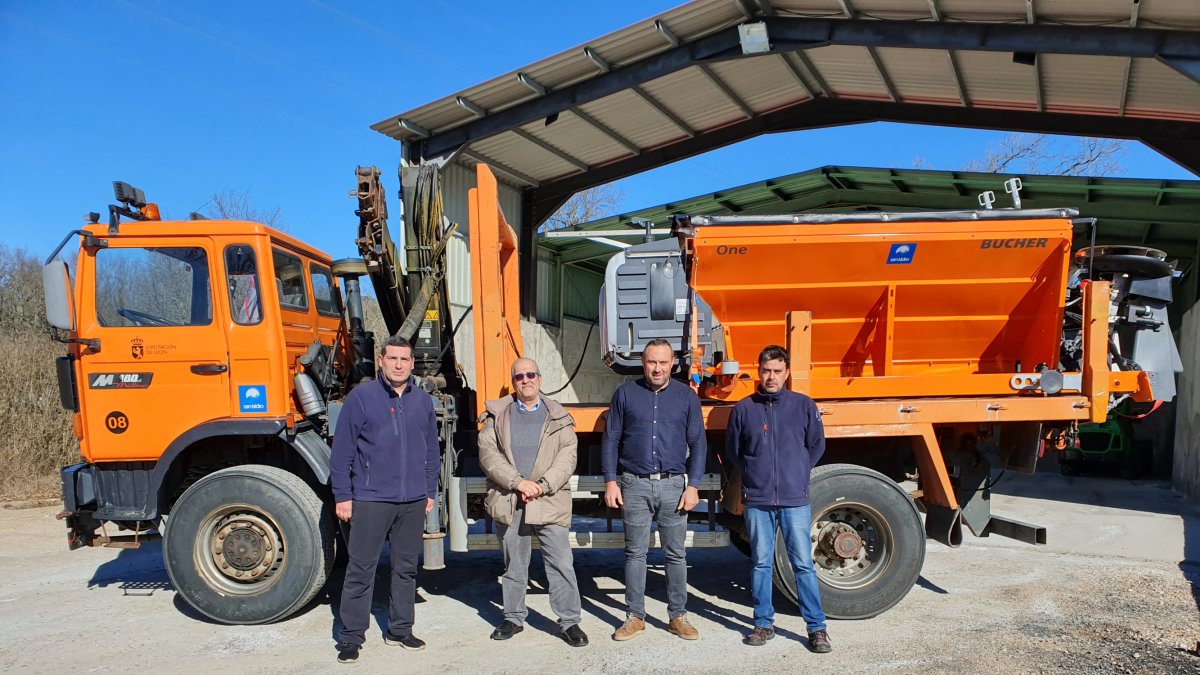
[(585, 206), (1042, 154), (236, 205)]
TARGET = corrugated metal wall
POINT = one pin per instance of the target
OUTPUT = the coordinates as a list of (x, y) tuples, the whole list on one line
[(547, 287), (581, 293), (456, 181)]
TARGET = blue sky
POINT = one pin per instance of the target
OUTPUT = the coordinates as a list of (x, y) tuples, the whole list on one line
[(188, 99)]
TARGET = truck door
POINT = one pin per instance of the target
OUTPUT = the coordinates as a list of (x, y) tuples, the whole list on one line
[(162, 366)]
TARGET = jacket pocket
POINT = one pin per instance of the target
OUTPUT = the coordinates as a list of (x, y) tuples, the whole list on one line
[(498, 505)]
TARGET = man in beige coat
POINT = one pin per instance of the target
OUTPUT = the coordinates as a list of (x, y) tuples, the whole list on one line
[(527, 450)]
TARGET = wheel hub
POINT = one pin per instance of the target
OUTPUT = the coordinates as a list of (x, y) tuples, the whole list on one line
[(841, 541), (245, 547), (848, 547)]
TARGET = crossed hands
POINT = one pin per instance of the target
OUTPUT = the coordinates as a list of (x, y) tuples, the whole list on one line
[(529, 490)]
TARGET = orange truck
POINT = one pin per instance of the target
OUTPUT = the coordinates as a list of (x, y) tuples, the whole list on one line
[(207, 360)]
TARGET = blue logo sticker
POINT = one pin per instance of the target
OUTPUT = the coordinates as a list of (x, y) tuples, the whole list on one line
[(901, 254), (252, 398)]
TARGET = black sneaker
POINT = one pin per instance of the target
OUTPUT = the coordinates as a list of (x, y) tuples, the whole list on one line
[(759, 636), (410, 642), (575, 636), (818, 641), (506, 630), (347, 653)]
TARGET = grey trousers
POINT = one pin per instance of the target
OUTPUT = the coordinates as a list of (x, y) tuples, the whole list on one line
[(648, 501), (517, 543)]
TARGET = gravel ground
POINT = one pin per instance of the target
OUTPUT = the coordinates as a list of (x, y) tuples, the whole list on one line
[(1109, 594)]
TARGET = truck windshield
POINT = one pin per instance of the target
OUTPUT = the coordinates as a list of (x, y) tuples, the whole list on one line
[(153, 287)]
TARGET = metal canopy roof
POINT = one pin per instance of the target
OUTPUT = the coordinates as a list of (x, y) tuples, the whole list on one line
[(686, 82), (1163, 214), (681, 83)]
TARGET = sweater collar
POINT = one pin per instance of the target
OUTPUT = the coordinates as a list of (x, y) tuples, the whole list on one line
[(763, 397), (387, 387)]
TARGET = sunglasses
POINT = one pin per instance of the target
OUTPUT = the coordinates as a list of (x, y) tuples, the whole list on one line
[(522, 376)]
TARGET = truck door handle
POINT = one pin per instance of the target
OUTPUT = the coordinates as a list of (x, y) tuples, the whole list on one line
[(209, 368)]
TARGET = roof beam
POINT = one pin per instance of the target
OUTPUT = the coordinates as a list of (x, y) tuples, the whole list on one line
[(563, 155), (662, 110), (1186, 153), (883, 74), (717, 82), (1133, 20), (796, 74), (850, 12), (1186, 66), (1166, 136), (956, 74), (607, 131), (816, 74), (1038, 92), (1180, 49), (501, 167), (728, 205), (1125, 86)]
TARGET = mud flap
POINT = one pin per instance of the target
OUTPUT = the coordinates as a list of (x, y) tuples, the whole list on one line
[(943, 524), (1020, 443)]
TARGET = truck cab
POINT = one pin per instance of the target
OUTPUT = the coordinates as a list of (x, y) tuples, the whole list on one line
[(187, 341)]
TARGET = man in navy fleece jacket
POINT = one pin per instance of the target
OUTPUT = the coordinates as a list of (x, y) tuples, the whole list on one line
[(775, 437), (384, 475)]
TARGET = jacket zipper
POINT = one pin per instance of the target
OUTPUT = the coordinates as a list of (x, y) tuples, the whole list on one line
[(401, 438), (771, 431)]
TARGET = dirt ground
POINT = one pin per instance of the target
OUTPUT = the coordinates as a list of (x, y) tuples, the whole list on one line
[(1114, 591)]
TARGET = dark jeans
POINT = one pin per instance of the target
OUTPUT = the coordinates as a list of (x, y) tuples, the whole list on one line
[(370, 524), (649, 501)]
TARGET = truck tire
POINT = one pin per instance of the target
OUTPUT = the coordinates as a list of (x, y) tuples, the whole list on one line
[(249, 544), (864, 504)]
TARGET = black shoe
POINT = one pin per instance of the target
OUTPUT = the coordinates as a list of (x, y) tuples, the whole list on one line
[(410, 642), (819, 642), (506, 630), (575, 636), (759, 636), (347, 653)]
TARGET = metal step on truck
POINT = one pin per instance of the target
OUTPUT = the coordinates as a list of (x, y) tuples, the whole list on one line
[(206, 361)]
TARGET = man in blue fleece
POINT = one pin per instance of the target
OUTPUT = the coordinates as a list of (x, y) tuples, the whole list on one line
[(384, 474), (775, 437)]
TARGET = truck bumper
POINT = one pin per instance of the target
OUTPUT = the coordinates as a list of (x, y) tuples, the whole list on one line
[(79, 504)]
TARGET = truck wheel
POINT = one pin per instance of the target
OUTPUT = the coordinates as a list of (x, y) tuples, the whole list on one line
[(248, 544), (868, 542)]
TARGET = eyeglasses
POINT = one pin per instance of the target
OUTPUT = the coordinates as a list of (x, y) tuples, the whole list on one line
[(522, 376)]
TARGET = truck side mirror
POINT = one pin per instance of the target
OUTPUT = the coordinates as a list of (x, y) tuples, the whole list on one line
[(56, 285)]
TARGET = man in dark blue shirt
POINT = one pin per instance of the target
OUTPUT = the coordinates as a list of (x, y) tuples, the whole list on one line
[(653, 457), (775, 437), (384, 473)]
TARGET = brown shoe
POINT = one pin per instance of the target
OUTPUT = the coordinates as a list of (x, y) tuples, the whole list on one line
[(630, 629), (680, 626), (818, 641)]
